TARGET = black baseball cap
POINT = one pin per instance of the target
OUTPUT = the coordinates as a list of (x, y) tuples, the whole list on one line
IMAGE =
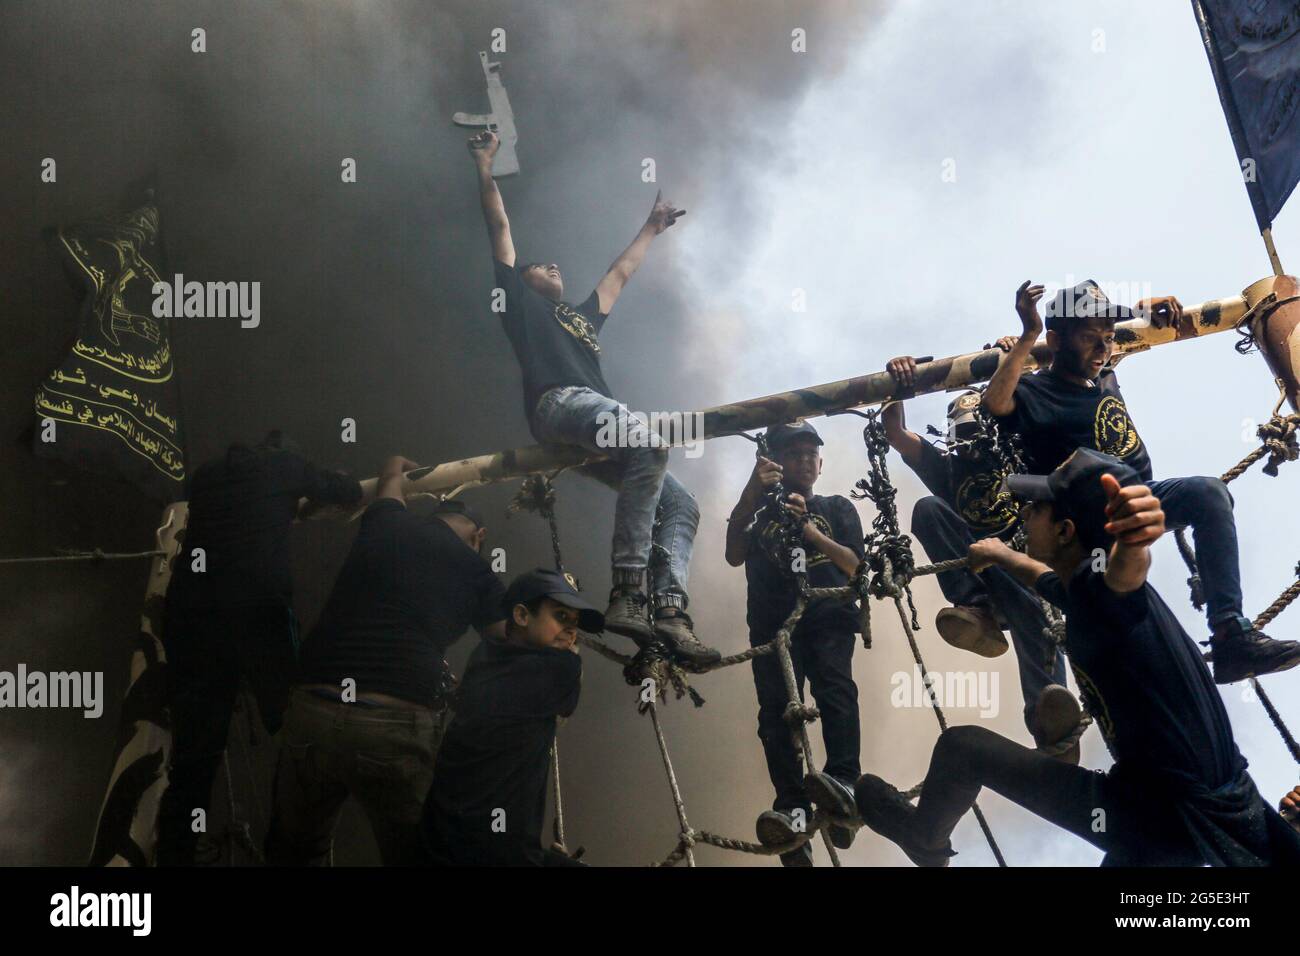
[(1084, 301), (557, 587), (778, 436), (1075, 488), (454, 506)]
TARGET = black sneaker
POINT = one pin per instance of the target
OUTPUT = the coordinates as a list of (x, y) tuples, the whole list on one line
[(834, 797), (1056, 716), (1240, 654), (674, 627), (800, 857), (628, 615), (776, 828), (884, 808)]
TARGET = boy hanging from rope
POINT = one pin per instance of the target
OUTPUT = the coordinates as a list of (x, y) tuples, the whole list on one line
[(1178, 793), (1076, 402), (821, 647), (566, 401), (967, 503)]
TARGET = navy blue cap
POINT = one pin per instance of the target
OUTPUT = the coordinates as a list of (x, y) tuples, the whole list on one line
[(557, 587), (454, 506), (778, 436), (1075, 488), (1084, 301)]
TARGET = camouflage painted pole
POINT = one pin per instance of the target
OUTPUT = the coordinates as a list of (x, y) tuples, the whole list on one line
[(127, 831), (1218, 315)]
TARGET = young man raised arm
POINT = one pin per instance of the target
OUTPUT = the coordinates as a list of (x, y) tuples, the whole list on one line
[(567, 401), (1076, 403)]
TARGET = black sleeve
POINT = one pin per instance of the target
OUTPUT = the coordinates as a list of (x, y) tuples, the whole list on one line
[(1114, 614), (1050, 587), (507, 278), (1021, 416), (848, 526), (935, 472), (380, 507), (591, 309), (492, 600), (549, 682)]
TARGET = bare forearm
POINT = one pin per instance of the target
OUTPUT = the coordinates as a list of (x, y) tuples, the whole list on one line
[(843, 558), (906, 443), (1127, 568), (999, 397), (631, 257), (1021, 567), (494, 207)]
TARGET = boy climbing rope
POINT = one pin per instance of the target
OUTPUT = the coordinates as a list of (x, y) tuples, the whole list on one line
[(1178, 793), (967, 503), (821, 647), (1076, 402), (566, 401), (488, 798)]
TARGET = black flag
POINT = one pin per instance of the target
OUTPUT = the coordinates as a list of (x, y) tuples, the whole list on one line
[(1254, 50), (112, 404)]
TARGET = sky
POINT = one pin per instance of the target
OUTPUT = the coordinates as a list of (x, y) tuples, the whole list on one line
[(1086, 141)]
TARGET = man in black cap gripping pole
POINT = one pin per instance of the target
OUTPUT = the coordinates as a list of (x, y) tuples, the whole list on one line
[(488, 798), (821, 647), (1178, 793), (1076, 403), (368, 711)]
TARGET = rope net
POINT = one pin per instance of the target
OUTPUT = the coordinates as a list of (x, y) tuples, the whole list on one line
[(885, 573)]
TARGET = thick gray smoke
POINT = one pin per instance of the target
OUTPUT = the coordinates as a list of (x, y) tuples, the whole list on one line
[(374, 307)]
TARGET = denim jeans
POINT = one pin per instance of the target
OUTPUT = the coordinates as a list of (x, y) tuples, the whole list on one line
[(1205, 505), (383, 756), (638, 471), (945, 535)]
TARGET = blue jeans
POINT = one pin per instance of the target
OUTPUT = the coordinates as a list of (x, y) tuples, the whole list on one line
[(638, 470), (1205, 505), (945, 535)]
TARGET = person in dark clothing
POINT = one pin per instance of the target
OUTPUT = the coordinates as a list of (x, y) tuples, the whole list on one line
[(488, 798), (821, 647), (567, 402), (967, 502), (367, 714), (1178, 793), (228, 614), (1076, 403)]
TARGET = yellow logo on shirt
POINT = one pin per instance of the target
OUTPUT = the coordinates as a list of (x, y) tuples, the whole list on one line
[(1095, 702), (770, 541), (577, 325), (985, 504), (1114, 432)]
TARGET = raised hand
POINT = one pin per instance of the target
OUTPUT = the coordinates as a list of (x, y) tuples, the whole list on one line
[(903, 369), (1162, 311), (1027, 297), (663, 215), (484, 145), (1136, 519)]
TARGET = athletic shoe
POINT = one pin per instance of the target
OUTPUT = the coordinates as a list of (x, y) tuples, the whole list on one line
[(973, 629), (884, 808), (1240, 654), (1056, 716), (627, 615), (674, 627)]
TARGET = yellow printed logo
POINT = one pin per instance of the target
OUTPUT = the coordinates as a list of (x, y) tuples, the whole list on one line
[(576, 324), (985, 504), (1115, 433), (770, 540), (1095, 702)]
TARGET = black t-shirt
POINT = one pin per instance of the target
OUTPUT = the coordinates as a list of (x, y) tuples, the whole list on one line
[(495, 756), (773, 592), (241, 508), (407, 591), (555, 343), (1054, 417), (972, 487), (1144, 682)]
